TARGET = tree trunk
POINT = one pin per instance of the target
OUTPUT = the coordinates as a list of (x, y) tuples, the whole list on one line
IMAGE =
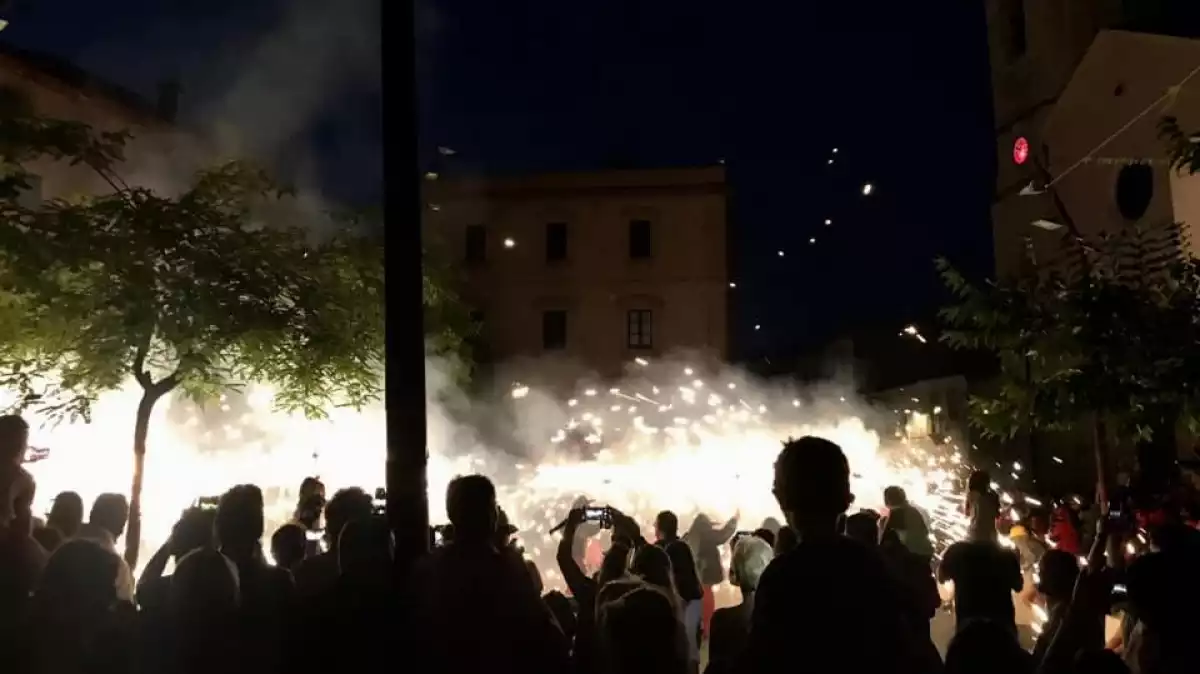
[(141, 427), (1031, 458), (1157, 457), (407, 456), (1100, 452)]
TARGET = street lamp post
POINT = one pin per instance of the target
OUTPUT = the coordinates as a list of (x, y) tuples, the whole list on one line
[(407, 455)]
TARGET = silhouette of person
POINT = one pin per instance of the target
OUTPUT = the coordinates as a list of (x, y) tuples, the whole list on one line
[(289, 546), (316, 575), (267, 592), (908, 522), (731, 625), (193, 530), (666, 528), (691, 595), (984, 647), (202, 618), (829, 590), (63, 521), (80, 625), (17, 487), (641, 634), (106, 523), (477, 606)]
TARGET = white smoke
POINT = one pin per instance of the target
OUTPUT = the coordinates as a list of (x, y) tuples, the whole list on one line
[(667, 436)]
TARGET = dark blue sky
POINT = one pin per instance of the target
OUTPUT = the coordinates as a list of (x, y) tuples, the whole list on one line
[(537, 85)]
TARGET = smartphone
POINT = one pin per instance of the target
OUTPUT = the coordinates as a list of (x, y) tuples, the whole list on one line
[(314, 534), (601, 515)]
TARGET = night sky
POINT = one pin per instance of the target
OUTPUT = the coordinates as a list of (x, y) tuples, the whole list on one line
[(535, 85)]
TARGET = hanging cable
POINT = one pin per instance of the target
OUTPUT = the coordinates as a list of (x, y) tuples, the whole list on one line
[(1170, 93)]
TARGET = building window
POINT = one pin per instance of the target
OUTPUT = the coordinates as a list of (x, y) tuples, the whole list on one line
[(554, 330), (1018, 39), (640, 240), (556, 241), (476, 245), (639, 328), (1135, 189)]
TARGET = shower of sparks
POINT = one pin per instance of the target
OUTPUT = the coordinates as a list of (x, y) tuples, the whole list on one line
[(670, 439), (912, 331), (717, 442)]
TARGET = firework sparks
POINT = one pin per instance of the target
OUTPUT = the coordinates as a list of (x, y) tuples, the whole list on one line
[(675, 441), (691, 445)]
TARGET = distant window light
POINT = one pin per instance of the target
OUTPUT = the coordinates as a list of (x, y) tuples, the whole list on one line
[(476, 244), (556, 241), (554, 330), (639, 324), (1018, 38), (641, 240)]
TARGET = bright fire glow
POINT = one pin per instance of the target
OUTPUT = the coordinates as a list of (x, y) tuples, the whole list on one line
[(673, 441)]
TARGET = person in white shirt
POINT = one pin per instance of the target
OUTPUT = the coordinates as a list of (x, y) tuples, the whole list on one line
[(106, 524)]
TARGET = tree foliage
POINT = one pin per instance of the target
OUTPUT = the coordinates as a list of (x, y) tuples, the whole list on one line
[(191, 292), (1110, 339), (200, 291)]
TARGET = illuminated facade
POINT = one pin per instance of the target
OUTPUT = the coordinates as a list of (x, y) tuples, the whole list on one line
[(590, 270), (1067, 77)]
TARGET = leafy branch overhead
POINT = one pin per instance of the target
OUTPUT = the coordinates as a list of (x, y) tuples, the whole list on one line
[(1113, 340), (198, 291)]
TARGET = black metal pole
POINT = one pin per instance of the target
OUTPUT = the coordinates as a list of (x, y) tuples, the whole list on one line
[(407, 457)]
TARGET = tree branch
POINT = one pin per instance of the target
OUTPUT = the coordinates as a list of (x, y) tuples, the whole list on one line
[(139, 367), (165, 385)]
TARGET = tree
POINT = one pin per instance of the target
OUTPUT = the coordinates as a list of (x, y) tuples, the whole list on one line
[(1107, 343), (194, 292)]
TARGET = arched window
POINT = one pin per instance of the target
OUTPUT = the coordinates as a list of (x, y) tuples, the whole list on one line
[(1134, 190)]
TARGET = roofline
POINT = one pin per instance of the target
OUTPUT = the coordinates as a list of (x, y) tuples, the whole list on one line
[(709, 179), (65, 77)]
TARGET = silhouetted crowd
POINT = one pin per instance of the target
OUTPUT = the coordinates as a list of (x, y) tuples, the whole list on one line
[(829, 591)]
